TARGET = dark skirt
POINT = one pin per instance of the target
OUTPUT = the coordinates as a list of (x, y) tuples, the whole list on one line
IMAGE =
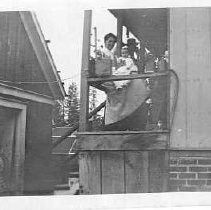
[(134, 122)]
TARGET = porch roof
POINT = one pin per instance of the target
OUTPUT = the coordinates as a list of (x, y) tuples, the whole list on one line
[(147, 25)]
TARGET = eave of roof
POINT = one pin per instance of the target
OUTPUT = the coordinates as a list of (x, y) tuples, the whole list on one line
[(18, 93), (43, 54)]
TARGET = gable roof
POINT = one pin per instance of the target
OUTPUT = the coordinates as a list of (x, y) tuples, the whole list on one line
[(43, 54)]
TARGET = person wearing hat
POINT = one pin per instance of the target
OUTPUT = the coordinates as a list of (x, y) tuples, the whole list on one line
[(132, 48)]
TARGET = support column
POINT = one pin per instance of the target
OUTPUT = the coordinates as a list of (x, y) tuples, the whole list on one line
[(84, 97), (119, 35)]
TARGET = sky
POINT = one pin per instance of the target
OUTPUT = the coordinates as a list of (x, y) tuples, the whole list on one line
[(62, 23)]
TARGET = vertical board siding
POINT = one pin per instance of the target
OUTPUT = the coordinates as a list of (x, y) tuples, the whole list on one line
[(18, 61), (190, 54), (3, 44), (137, 172), (7, 144), (178, 63), (12, 47), (110, 172), (157, 171), (38, 174), (89, 172), (19, 67), (113, 172), (198, 71)]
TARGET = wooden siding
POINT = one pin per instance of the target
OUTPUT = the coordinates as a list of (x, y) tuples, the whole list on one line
[(123, 162), (38, 176), (12, 142), (18, 61), (133, 141), (103, 172), (190, 53)]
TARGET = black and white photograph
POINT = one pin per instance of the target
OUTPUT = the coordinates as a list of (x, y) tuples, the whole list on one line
[(105, 105)]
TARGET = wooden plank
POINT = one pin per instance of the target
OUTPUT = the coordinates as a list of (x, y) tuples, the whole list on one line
[(168, 88), (59, 131), (158, 170), (89, 172), (27, 60), (119, 35), (84, 97), (64, 147), (4, 44), (178, 55), (190, 32), (127, 77), (12, 46), (122, 142), (113, 180), (38, 170), (123, 132), (198, 115), (190, 153), (19, 67), (136, 172), (7, 123)]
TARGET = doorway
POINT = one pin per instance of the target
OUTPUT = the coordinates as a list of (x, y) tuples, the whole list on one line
[(12, 146)]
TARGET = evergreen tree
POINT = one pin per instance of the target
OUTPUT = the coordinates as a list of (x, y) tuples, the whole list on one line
[(59, 114), (73, 106), (92, 98), (96, 122)]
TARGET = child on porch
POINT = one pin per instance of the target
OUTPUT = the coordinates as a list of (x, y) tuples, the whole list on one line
[(125, 66)]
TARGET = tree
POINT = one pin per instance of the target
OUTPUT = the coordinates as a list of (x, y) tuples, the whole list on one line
[(73, 106), (59, 114), (96, 122)]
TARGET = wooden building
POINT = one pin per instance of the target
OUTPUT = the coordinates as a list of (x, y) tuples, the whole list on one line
[(177, 158), (29, 84)]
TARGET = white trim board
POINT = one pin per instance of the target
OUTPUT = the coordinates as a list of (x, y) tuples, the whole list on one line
[(23, 94)]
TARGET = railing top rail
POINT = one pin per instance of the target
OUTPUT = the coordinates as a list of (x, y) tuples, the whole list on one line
[(126, 77)]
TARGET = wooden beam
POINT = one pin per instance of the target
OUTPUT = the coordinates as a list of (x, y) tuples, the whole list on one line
[(123, 142), (84, 102), (119, 35), (123, 132), (127, 77)]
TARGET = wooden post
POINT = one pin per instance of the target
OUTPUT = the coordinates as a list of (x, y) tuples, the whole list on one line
[(84, 107), (119, 35)]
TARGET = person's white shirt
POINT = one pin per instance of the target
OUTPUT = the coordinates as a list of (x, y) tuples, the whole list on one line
[(108, 53)]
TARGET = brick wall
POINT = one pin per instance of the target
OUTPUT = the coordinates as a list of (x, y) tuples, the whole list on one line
[(190, 172)]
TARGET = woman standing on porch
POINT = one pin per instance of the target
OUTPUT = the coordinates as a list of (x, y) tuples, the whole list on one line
[(126, 109)]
